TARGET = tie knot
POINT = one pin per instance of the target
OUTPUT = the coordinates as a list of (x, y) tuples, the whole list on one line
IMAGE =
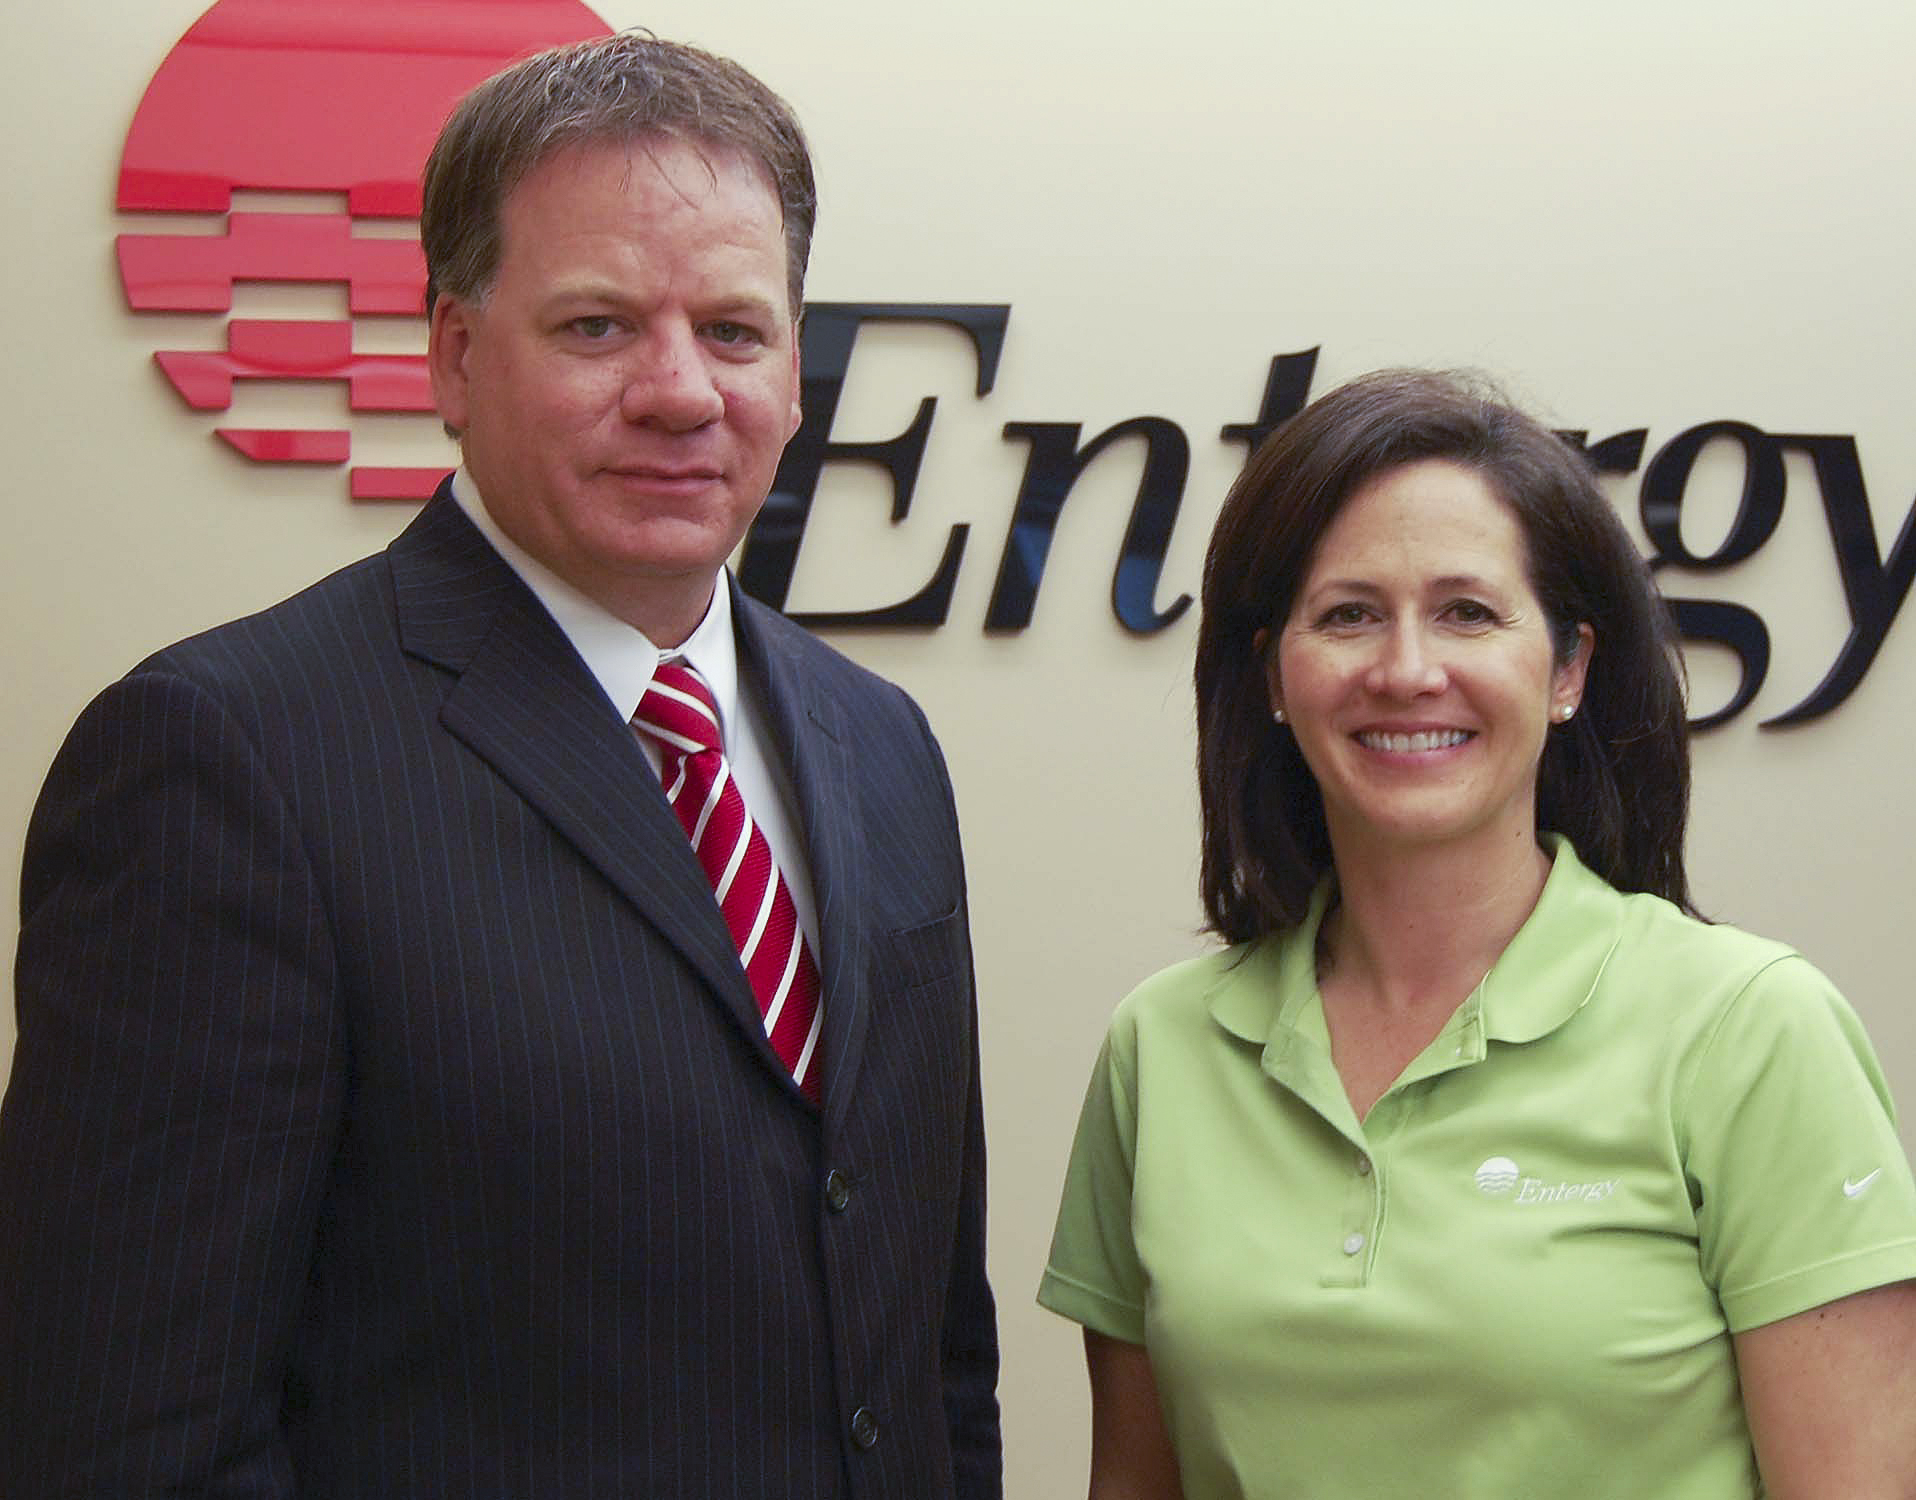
[(678, 711)]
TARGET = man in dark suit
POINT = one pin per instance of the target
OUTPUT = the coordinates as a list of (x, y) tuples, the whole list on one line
[(398, 1107)]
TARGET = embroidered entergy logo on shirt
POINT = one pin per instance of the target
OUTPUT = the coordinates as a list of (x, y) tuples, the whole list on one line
[(1499, 1174)]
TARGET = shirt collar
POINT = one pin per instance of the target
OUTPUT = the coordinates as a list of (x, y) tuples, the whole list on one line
[(1546, 975), (619, 656), (1555, 962)]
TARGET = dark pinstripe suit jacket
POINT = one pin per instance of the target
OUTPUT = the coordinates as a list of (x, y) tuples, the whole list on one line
[(391, 1116)]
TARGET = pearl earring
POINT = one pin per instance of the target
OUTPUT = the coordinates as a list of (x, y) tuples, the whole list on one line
[(1277, 716), (1566, 713)]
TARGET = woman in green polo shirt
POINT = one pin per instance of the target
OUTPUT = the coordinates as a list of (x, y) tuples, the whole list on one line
[(1476, 1164)]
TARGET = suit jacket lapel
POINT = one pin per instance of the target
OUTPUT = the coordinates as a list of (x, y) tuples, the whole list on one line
[(526, 703), (809, 728)]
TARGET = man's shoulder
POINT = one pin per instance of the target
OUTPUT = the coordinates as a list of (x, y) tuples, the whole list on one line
[(439, 573), (331, 618), (789, 646)]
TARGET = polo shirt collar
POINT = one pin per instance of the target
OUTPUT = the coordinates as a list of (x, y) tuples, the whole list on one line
[(1555, 962), (1544, 977), (1267, 982)]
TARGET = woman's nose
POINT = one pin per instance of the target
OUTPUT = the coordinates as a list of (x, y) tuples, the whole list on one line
[(1406, 665)]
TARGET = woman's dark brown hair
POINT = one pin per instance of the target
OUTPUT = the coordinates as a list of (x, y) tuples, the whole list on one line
[(1614, 780)]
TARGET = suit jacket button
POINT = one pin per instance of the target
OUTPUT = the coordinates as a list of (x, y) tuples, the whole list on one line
[(838, 1193), (865, 1428)]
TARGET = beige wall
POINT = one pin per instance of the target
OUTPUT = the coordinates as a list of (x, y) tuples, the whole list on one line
[(1642, 214)]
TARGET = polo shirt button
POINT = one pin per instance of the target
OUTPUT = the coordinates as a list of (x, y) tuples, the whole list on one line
[(1353, 1243), (838, 1191), (865, 1429), (1363, 1165)]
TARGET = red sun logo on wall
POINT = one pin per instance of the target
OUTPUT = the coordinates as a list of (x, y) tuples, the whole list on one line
[(296, 96)]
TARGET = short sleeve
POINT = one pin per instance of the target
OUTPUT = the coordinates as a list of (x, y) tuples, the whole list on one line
[(1094, 1276), (1802, 1191)]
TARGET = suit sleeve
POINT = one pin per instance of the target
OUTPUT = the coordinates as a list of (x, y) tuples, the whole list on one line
[(971, 1331), (176, 1092), (970, 1350)]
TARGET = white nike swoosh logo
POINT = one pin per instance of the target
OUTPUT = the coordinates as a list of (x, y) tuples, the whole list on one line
[(1856, 1189)]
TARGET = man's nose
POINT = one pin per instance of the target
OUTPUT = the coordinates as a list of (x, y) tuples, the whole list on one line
[(1407, 666), (671, 384)]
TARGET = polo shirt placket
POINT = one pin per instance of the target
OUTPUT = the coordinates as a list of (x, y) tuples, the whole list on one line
[(1298, 1059)]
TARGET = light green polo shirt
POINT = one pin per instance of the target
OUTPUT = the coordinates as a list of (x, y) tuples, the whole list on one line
[(1518, 1276)]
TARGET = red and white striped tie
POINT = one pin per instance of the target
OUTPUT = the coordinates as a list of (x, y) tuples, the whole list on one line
[(678, 713)]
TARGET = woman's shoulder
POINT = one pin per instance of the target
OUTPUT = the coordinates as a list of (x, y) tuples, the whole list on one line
[(1648, 939), (1709, 982), (1662, 972), (1186, 994), (1658, 937), (1182, 984)]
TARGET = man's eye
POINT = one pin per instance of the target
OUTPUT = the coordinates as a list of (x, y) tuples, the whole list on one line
[(725, 332), (593, 326)]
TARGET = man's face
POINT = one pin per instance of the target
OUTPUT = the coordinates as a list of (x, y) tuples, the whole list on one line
[(626, 387)]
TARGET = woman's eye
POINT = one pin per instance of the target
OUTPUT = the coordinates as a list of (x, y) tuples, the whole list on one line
[(1345, 614), (1472, 612)]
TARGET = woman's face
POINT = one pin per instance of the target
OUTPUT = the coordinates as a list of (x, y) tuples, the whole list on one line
[(1416, 667)]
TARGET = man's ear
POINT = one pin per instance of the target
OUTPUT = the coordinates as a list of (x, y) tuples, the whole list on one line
[(798, 387), (448, 346)]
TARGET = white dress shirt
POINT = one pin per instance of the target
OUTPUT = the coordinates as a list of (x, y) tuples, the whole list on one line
[(622, 661)]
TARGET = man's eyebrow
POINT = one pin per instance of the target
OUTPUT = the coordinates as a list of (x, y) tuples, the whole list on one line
[(585, 289), (760, 303), (595, 289)]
